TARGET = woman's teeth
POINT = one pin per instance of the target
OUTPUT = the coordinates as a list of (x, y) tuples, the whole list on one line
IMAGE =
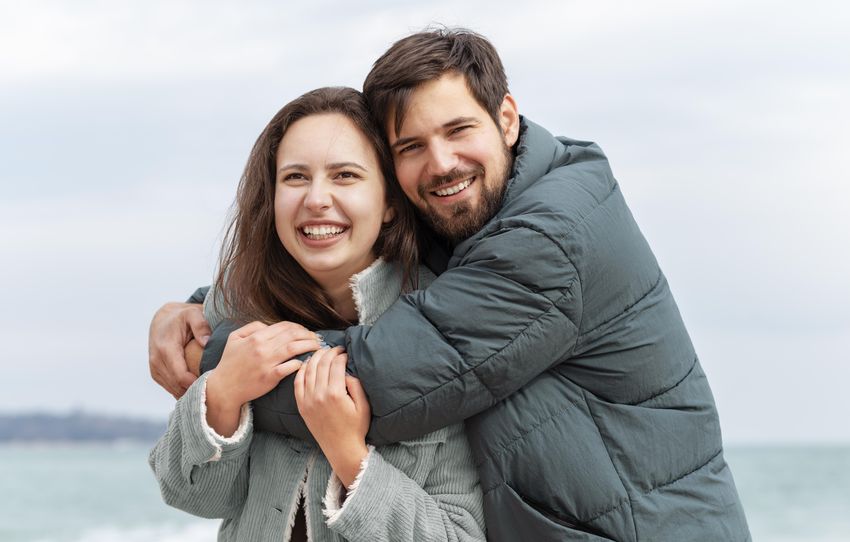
[(454, 189), (321, 232)]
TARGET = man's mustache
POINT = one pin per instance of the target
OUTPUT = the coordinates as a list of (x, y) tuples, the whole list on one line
[(450, 178)]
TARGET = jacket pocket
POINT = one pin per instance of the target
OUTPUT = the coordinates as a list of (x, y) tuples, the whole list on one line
[(561, 520)]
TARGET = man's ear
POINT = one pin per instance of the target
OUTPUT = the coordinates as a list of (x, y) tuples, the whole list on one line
[(509, 120)]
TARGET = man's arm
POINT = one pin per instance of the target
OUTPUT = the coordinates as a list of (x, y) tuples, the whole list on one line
[(507, 312)]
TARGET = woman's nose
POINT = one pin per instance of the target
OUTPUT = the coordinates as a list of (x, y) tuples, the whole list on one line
[(319, 196)]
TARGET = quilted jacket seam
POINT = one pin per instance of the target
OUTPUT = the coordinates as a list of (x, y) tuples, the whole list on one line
[(508, 446), (628, 497), (628, 308), (472, 369), (666, 390), (553, 304), (685, 475)]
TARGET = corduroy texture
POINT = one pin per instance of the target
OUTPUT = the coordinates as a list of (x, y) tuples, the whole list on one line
[(423, 489)]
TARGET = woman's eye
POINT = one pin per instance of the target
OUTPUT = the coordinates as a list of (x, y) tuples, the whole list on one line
[(347, 176), (294, 177)]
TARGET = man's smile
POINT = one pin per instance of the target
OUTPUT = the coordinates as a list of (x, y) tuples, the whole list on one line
[(454, 188)]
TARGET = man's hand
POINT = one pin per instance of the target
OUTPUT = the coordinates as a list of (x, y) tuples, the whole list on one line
[(172, 327)]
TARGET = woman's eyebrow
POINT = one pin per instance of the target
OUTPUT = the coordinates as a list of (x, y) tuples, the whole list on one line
[(297, 167), (342, 165)]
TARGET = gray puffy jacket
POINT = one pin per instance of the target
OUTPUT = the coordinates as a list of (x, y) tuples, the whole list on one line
[(554, 332)]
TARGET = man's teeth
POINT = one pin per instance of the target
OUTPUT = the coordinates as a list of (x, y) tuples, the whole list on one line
[(453, 189), (322, 232)]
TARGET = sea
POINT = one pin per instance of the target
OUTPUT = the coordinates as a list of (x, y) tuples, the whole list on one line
[(106, 493)]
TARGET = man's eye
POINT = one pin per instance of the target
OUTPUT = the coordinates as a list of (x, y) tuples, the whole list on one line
[(460, 128), (408, 148)]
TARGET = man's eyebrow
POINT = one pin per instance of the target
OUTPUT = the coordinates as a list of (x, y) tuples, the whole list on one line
[(460, 120), (450, 124)]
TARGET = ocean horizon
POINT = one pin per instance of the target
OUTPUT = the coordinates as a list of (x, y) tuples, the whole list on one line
[(105, 492)]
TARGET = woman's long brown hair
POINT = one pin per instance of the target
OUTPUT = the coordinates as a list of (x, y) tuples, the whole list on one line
[(258, 278)]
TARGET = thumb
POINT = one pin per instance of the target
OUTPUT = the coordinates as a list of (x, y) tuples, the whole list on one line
[(199, 326)]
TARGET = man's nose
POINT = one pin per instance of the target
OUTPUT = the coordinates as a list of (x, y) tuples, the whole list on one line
[(442, 159)]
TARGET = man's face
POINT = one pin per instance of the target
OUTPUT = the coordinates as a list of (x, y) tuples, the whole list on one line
[(451, 159)]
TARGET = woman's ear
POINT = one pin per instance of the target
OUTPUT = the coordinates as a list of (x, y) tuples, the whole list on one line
[(389, 214)]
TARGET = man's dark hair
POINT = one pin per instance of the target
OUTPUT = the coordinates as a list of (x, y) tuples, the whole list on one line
[(426, 56)]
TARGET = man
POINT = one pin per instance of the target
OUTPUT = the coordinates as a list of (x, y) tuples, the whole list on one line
[(551, 328)]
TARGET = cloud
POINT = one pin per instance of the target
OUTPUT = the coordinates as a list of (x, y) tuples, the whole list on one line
[(126, 127)]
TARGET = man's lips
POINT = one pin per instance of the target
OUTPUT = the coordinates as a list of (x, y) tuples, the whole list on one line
[(452, 189)]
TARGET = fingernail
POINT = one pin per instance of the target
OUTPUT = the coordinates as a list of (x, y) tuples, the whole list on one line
[(203, 340)]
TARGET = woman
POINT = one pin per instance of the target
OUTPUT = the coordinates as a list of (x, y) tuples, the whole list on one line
[(321, 237)]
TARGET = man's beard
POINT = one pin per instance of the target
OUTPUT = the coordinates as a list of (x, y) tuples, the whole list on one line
[(462, 220)]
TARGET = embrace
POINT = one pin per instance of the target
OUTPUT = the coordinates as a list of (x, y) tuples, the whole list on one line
[(434, 320)]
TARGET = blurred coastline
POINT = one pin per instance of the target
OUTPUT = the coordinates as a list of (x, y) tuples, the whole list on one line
[(105, 492)]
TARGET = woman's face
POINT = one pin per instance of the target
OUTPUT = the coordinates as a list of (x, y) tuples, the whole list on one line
[(329, 197)]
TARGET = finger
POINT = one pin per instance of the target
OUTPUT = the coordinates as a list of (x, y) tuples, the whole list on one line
[(174, 369), (357, 393), (159, 378), (288, 350), (248, 329), (310, 372), (336, 378), (198, 324), (282, 334), (323, 369), (171, 386), (292, 326), (286, 368), (299, 385), (288, 328), (185, 380)]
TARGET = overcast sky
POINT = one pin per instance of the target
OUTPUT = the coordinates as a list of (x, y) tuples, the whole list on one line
[(124, 128)]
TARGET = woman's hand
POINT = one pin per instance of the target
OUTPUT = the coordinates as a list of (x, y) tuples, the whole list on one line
[(335, 409), (256, 358)]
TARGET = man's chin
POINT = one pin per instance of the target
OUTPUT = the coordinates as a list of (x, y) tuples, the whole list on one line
[(456, 223)]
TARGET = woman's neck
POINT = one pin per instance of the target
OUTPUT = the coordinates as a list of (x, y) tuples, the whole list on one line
[(342, 300)]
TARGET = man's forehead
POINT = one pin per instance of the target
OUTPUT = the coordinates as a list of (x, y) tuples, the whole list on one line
[(434, 105)]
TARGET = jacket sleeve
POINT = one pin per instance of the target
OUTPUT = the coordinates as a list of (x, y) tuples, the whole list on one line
[(386, 504), (506, 311), (197, 471), (277, 411)]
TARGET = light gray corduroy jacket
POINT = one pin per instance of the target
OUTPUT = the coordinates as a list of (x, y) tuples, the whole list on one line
[(422, 489)]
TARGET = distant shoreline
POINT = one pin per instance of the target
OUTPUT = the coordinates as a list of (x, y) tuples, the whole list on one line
[(76, 428)]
